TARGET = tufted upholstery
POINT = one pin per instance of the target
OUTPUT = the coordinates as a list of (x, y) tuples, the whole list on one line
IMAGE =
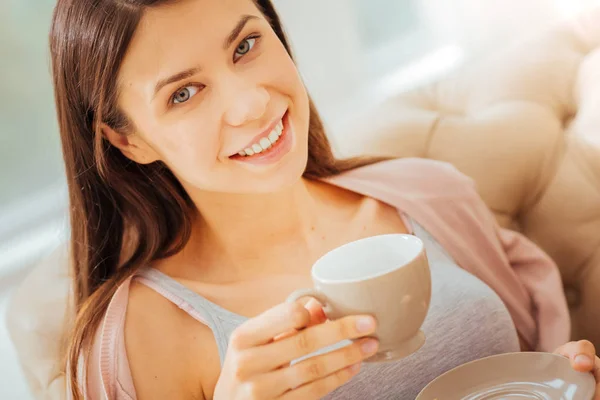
[(525, 124)]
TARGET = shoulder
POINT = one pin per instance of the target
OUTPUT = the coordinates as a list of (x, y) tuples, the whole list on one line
[(155, 341), (164, 346)]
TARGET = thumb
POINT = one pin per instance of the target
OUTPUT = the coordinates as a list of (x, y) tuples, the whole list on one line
[(317, 315)]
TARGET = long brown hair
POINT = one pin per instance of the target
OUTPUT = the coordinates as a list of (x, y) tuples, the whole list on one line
[(115, 203)]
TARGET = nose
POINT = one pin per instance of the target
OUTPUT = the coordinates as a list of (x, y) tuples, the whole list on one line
[(246, 104)]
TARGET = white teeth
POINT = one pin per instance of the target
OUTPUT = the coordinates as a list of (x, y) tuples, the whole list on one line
[(265, 143), (273, 136)]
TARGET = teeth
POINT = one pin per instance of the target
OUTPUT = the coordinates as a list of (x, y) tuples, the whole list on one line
[(264, 143), (273, 136)]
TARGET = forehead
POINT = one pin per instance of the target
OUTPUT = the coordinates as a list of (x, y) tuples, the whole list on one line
[(180, 35)]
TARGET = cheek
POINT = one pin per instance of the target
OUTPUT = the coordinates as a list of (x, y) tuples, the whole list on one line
[(278, 68), (187, 146), (294, 84), (287, 80)]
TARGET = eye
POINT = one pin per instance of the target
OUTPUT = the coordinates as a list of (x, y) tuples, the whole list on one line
[(184, 94), (244, 47)]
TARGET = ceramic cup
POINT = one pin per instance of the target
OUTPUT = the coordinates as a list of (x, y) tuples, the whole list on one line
[(386, 276)]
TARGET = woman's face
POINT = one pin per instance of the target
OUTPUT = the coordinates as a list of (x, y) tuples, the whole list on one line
[(212, 92)]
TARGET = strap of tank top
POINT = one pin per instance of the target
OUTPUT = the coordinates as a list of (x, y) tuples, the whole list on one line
[(189, 301)]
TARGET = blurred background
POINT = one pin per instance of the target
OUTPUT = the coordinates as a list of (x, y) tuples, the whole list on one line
[(351, 53)]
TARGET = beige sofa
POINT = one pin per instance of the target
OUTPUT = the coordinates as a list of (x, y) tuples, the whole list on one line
[(524, 124)]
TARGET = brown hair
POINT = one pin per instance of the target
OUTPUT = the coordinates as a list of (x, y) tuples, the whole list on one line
[(109, 195)]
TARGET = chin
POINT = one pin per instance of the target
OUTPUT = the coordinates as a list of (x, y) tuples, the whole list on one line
[(278, 179)]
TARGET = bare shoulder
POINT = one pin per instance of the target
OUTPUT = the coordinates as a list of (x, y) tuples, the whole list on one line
[(169, 352)]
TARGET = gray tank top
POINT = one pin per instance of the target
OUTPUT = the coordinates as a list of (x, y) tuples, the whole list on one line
[(466, 321)]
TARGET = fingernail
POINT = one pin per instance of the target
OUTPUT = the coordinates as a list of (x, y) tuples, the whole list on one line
[(365, 324), (370, 346), (583, 360), (355, 368)]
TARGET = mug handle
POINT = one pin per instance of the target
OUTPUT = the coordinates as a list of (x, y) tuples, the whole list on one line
[(317, 294)]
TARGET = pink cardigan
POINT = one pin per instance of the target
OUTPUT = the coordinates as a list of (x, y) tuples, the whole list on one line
[(446, 204)]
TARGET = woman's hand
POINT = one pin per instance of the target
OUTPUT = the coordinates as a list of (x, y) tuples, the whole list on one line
[(257, 363), (583, 359)]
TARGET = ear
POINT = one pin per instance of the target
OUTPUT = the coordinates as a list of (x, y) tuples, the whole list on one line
[(132, 146)]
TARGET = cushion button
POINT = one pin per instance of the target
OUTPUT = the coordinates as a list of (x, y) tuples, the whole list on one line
[(573, 296)]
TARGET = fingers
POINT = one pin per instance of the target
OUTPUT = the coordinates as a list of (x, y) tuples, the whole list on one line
[(319, 367), (317, 316), (262, 329), (314, 338), (582, 355), (320, 388), (262, 366)]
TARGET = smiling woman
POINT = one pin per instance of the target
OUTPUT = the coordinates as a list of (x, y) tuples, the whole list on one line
[(166, 131), (203, 187), (174, 85)]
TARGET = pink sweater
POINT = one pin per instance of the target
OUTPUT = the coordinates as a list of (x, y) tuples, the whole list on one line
[(446, 204)]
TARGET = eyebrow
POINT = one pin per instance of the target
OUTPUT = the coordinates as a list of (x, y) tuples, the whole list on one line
[(235, 32), (176, 78)]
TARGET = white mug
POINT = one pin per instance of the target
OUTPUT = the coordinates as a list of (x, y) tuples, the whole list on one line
[(386, 276)]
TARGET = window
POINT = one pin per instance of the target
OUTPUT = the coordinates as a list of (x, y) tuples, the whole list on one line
[(381, 22), (392, 34), (31, 169)]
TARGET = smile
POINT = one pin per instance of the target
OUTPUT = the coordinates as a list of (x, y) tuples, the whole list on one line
[(265, 143), (270, 146)]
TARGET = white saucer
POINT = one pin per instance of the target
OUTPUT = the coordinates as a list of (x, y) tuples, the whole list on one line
[(512, 376)]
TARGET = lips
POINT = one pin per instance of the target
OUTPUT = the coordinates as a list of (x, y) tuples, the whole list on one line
[(275, 150), (263, 141)]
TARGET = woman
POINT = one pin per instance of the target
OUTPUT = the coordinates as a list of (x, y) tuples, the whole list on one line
[(203, 188)]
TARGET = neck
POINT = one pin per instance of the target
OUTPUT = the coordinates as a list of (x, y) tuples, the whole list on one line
[(250, 232)]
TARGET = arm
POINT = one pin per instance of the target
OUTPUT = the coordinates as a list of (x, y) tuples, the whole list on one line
[(171, 356)]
